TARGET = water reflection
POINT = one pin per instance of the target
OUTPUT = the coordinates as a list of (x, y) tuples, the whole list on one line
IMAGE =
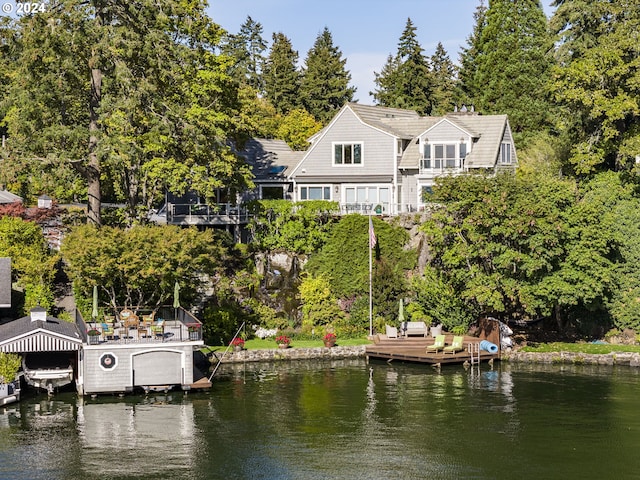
[(339, 419), (152, 437)]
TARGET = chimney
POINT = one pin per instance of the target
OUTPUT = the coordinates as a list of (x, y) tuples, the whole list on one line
[(38, 313)]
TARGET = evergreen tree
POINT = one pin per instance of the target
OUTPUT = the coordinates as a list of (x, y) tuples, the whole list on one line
[(325, 81), (444, 81), (468, 89), (281, 75), (596, 81), (389, 87), (406, 81), (512, 64), (247, 48)]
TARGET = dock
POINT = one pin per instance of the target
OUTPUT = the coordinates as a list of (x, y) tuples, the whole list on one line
[(414, 349)]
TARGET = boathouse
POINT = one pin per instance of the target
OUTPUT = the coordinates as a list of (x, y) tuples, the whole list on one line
[(148, 352), (118, 358), (48, 346)]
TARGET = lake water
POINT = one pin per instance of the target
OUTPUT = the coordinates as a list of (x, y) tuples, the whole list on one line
[(342, 419)]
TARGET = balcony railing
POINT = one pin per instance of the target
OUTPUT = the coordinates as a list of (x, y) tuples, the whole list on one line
[(366, 208), (165, 324), (440, 165), (198, 214)]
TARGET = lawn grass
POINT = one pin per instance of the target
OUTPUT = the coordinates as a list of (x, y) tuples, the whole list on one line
[(270, 343), (594, 348)]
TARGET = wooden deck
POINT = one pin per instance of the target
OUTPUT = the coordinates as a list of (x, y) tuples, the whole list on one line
[(413, 349)]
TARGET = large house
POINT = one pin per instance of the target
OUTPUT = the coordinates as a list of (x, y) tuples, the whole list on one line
[(387, 159), (369, 159)]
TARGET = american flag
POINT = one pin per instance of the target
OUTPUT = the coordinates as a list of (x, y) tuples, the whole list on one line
[(372, 235)]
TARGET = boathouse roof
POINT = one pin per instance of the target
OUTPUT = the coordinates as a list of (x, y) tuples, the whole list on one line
[(39, 332)]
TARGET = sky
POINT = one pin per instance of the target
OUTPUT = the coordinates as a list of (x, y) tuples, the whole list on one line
[(365, 31)]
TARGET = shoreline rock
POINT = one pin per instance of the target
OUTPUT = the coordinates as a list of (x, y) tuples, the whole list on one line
[(574, 358), (629, 359), (294, 353)]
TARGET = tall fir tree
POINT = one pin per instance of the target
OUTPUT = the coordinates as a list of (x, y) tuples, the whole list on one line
[(406, 80), (281, 75), (467, 87), (512, 64), (247, 48), (325, 80), (388, 82), (597, 81), (444, 81)]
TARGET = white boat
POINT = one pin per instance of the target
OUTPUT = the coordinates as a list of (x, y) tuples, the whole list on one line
[(47, 371), (9, 393)]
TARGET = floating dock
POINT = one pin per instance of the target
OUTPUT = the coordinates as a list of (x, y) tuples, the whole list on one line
[(414, 349)]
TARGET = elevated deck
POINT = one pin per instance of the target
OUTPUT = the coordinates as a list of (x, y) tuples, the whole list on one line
[(414, 349)]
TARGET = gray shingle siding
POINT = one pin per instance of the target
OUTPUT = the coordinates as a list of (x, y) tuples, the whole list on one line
[(380, 130)]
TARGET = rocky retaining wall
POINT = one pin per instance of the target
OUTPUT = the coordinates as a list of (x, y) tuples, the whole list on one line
[(293, 353), (573, 358)]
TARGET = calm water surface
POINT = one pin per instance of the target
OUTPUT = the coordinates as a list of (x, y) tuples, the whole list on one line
[(345, 419)]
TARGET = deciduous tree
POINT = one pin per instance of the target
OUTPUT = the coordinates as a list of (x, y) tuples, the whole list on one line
[(131, 94), (596, 81)]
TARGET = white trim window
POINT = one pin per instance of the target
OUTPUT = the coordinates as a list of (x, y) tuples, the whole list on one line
[(347, 153), (356, 197), (505, 153), (314, 192), (443, 155)]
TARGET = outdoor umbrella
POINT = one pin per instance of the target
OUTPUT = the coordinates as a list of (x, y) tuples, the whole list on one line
[(94, 311), (401, 313), (176, 298)]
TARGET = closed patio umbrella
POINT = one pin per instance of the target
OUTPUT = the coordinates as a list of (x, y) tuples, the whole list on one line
[(94, 311), (401, 314), (176, 298)]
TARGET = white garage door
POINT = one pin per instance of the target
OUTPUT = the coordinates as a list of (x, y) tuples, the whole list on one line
[(157, 368)]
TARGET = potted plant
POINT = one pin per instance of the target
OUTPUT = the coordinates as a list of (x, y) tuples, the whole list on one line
[(94, 336), (283, 341), (329, 340), (237, 344)]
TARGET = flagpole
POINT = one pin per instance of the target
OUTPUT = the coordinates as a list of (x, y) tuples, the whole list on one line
[(370, 276)]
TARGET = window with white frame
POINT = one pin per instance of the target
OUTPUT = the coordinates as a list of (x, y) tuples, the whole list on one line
[(347, 153), (368, 195), (505, 153), (443, 155), (319, 192)]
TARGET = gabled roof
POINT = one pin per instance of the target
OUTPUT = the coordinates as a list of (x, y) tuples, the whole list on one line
[(270, 159), (8, 197), (485, 130), (485, 151), (26, 335)]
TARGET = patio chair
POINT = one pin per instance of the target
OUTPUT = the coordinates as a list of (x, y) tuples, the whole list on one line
[(392, 332), (456, 345), (107, 331), (157, 328), (438, 344), (147, 320)]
